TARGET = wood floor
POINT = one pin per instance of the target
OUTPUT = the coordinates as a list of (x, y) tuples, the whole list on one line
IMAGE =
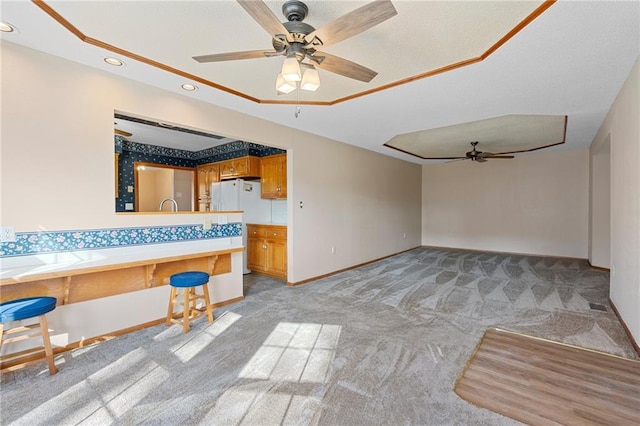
[(537, 381)]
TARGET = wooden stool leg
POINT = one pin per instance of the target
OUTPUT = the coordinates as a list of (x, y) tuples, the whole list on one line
[(205, 290), (193, 298), (172, 300), (186, 308), (46, 341)]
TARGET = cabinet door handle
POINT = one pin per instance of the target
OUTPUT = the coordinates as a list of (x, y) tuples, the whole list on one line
[(264, 246)]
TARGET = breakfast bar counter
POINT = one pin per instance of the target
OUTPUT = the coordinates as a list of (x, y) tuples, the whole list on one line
[(77, 277)]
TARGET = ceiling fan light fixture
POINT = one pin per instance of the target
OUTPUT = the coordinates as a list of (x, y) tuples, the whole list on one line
[(310, 80), (291, 69), (284, 86)]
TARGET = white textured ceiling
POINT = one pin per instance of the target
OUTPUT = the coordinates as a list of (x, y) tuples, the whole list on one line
[(571, 60), (502, 135), (422, 37)]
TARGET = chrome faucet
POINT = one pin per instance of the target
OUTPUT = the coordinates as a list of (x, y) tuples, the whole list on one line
[(173, 202)]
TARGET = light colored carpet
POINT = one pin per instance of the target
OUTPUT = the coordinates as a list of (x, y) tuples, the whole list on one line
[(380, 344)]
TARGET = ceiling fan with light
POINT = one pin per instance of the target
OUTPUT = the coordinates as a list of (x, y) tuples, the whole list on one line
[(299, 42), (479, 156)]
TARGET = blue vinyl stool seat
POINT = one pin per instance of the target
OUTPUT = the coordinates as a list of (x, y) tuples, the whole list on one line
[(189, 281), (23, 309)]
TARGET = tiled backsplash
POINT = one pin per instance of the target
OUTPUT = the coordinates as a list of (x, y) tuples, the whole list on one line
[(34, 243)]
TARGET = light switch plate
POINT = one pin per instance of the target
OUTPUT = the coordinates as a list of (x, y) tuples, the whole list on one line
[(207, 225)]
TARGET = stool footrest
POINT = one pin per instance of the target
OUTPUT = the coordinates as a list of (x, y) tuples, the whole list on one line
[(22, 365), (22, 337), (26, 352), (20, 329)]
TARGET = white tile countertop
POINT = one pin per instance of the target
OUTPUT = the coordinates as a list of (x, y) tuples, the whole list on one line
[(22, 267)]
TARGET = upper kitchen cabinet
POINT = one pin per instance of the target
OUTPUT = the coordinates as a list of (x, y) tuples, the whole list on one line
[(241, 167), (274, 176), (207, 174)]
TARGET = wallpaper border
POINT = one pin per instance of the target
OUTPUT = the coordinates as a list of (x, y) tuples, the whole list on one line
[(40, 242)]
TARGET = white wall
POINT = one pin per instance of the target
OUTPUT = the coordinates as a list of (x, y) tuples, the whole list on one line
[(362, 203), (57, 164), (621, 128), (534, 204), (600, 206)]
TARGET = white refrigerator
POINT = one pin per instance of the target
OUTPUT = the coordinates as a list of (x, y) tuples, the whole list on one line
[(239, 194)]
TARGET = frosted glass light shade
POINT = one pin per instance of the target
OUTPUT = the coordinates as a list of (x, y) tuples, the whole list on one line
[(291, 69), (310, 80), (283, 86)]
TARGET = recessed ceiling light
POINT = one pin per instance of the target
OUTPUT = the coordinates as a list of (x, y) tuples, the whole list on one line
[(6, 27), (114, 61), (189, 87)]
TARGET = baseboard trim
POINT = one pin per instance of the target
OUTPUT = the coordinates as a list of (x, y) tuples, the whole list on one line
[(509, 252), (626, 329), (308, 280), (17, 363), (600, 268)]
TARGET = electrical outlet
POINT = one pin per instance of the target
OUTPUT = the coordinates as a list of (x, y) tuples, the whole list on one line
[(207, 224), (7, 234), (333, 250)]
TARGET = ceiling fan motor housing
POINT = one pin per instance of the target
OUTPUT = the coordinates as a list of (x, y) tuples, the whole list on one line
[(297, 31), (295, 10)]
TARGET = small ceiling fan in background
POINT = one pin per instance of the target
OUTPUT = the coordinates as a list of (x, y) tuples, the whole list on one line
[(299, 42), (479, 156)]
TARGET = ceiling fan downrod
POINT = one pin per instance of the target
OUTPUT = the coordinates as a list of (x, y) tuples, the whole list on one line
[(295, 10)]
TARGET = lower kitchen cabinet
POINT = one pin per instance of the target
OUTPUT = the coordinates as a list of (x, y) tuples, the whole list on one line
[(267, 249)]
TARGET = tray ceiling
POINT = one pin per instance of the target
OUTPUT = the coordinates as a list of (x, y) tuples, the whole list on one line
[(564, 59), (423, 38), (499, 135)]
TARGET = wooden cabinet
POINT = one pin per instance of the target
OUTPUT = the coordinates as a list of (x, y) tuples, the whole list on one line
[(267, 250), (274, 176), (206, 175), (240, 167)]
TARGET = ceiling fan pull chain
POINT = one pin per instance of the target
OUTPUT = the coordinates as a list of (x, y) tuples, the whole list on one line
[(297, 113)]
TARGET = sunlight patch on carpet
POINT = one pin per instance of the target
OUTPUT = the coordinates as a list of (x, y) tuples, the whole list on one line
[(295, 352), (199, 341)]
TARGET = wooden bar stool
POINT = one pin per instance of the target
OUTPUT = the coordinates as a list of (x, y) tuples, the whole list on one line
[(22, 309), (188, 281)]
